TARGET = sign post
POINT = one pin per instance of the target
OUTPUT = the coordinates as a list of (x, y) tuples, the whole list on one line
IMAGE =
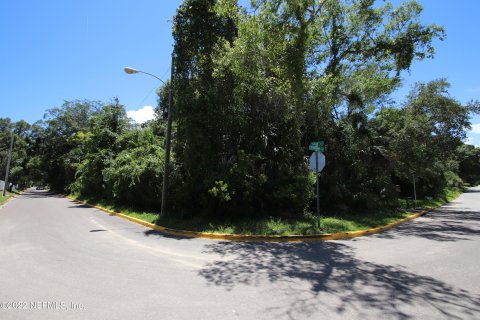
[(318, 189), (317, 163), (414, 191)]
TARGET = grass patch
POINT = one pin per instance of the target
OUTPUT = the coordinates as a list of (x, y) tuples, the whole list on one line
[(306, 225), (8, 195), (147, 216), (447, 196)]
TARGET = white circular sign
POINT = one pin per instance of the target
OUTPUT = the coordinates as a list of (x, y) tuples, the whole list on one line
[(313, 162)]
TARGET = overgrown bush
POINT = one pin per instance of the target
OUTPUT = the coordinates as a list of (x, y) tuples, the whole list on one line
[(135, 175)]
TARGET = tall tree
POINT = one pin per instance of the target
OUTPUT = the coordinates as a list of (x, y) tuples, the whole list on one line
[(63, 127), (100, 146), (422, 138), (201, 109), (258, 86), (469, 164), (357, 51)]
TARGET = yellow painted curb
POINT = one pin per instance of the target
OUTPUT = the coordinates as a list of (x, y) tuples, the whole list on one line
[(259, 238)]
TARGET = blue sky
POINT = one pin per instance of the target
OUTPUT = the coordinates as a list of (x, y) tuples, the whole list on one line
[(63, 50)]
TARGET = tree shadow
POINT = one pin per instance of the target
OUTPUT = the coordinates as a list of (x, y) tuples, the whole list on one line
[(28, 194), (80, 206), (476, 190), (164, 235), (325, 277), (447, 223)]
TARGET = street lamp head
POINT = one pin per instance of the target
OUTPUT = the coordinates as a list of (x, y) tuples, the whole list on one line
[(130, 70)]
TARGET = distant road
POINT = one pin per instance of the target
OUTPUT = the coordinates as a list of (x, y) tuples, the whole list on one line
[(62, 260)]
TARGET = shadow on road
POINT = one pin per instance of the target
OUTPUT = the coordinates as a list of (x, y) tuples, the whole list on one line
[(158, 234), (80, 206), (307, 273), (35, 194), (444, 224), (476, 190)]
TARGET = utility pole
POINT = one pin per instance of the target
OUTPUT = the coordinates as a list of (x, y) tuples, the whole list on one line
[(166, 169), (8, 165)]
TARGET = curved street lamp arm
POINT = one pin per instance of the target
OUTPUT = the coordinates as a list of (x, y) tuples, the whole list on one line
[(129, 70), (152, 75)]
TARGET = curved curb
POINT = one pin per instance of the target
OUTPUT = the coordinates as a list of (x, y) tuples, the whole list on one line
[(259, 238)]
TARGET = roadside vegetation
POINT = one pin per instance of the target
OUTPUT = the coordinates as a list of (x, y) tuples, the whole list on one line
[(4, 199), (252, 88), (306, 225)]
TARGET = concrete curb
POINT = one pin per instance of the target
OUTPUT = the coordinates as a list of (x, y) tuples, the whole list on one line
[(259, 238)]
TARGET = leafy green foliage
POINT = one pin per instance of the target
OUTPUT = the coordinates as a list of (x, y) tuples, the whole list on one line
[(220, 191), (134, 175), (469, 164), (101, 146), (421, 139), (58, 141), (258, 87)]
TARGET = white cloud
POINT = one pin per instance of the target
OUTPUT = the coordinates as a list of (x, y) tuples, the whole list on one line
[(142, 115), (476, 128), (472, 139)]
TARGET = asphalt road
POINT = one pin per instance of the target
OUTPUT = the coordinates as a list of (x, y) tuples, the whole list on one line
[(62, 260)]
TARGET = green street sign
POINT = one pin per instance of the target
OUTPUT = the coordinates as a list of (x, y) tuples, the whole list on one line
[(317, 146)]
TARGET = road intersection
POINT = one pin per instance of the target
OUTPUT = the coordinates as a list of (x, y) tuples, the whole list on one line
[(64, 260)]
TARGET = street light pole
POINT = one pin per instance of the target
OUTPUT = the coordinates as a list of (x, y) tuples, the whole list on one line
[(9, 157), (166, 167)]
